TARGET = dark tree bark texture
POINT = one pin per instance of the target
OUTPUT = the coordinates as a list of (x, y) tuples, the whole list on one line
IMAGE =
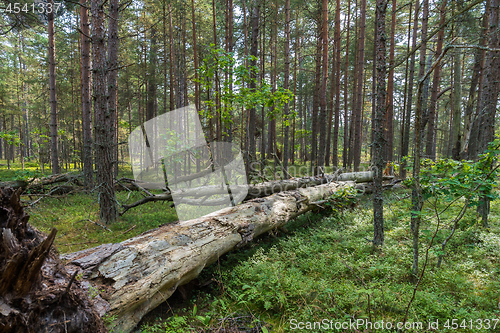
[(286, 150), (406, 134), (358, 108), (53, 98), (112, 73), (87, 158), (483, 129), (430, 149), (251, 148), (104, 118), (379, 143), (322, 120)]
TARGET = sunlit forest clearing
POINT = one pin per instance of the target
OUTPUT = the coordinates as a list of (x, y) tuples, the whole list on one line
[(249, 166)]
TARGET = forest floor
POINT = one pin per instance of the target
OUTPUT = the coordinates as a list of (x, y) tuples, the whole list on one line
[(322, 269)]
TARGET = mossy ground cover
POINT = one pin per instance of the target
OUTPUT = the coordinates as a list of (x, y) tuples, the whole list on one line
[(324, 268)]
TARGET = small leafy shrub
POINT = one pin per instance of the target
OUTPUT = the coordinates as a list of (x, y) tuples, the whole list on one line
[(28, 174), (174, 324)]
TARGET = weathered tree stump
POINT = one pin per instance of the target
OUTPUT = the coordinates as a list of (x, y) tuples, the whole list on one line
[(37, 294)]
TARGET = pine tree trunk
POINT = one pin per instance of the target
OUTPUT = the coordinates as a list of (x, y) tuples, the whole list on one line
[(229, 126), (423, 54), (164, 40), (295, 58), (262, 46), (389, 117), (53, 98), (457, 111), (485, 121), (379, 143), (374, 90), (406, 137), (476, 83), (150, 106), (196, 83), (172, 58), (324, 76), (104, 124), (358, 108), (336, 84), (244, 114), (271, 129), (354, 94), (429, 147), (274, 86), (112, 78), (251, 150), (286, 138), (316, 99), (469, 109), (405, 95), (346, 89)]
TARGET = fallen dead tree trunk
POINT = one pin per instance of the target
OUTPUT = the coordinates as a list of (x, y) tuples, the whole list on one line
[(36, 292), (360, 177), (70, 177), (142, 272), (15, 184), (254, 191), (39, 185)]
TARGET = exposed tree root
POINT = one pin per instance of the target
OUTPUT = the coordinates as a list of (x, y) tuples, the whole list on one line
[(36, 292)]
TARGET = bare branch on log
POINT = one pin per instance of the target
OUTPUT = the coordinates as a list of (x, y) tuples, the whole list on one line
[(254, 191)]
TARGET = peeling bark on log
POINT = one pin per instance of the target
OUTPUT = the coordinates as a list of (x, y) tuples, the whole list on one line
[(142, 272), (36, 292)]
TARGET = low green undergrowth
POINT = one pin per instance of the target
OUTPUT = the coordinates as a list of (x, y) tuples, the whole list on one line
[(325, 270), (322, 269)]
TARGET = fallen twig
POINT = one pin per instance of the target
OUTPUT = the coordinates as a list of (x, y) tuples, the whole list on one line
[(96, 223), (129, 229)]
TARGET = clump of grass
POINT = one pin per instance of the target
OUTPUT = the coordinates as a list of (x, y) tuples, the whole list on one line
[(72, 216)]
